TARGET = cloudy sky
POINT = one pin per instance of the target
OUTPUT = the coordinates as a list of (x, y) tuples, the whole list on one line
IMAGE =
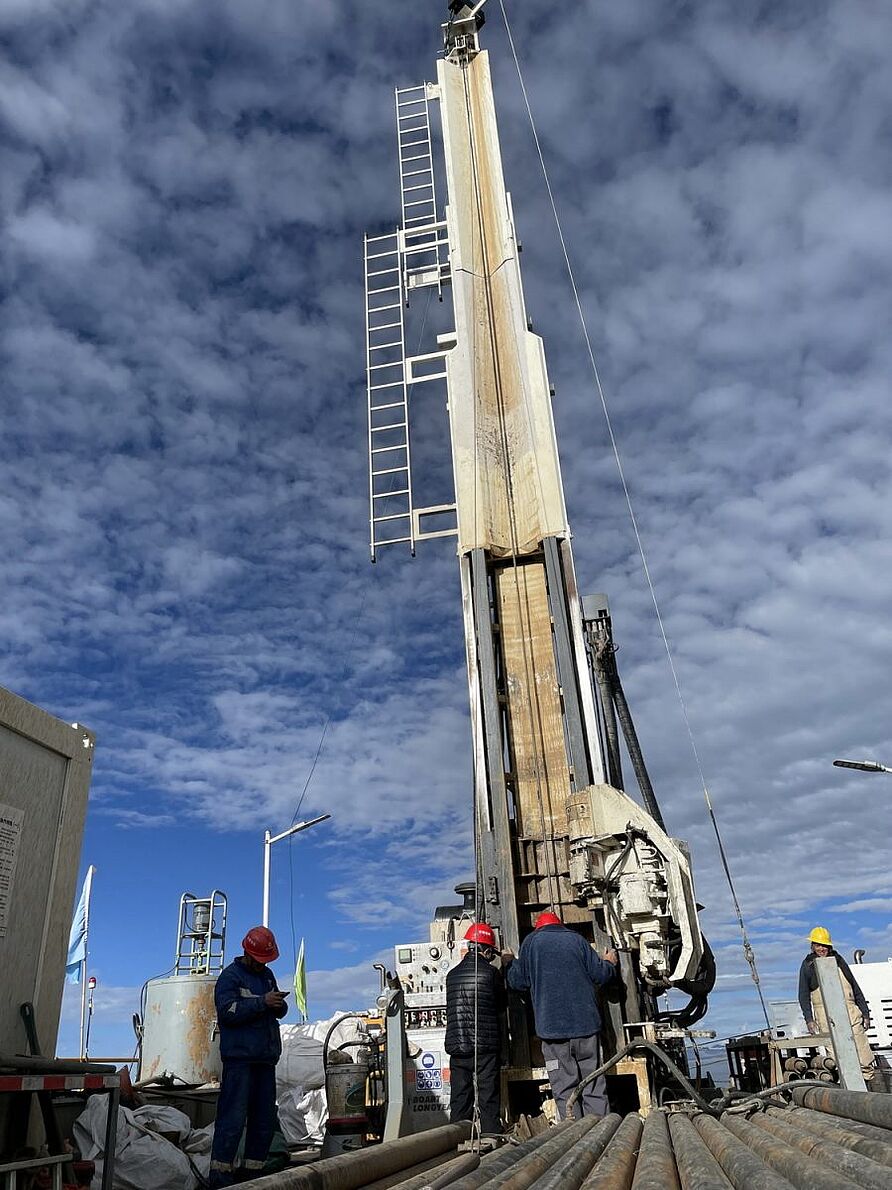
[(184, 190)]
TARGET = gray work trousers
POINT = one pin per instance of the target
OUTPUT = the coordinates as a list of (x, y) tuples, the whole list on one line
[(567, 1061)]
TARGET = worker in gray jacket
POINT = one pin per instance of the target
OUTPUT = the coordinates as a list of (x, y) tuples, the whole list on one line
[(563, 972)]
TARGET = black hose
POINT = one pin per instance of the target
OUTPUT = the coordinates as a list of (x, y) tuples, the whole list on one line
[(738, 1100), (600, 647), (661, 1054), (635, 754)]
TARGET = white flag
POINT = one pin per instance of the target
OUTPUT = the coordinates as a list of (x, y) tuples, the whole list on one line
[(77, 939)]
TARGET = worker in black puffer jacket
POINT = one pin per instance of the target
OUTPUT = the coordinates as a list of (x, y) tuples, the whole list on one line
[(475, 1004)]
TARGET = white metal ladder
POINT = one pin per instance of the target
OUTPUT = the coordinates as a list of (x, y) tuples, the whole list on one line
[(424, 239), (390, 468)]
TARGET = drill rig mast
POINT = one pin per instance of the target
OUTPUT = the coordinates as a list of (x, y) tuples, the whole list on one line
[(552, 832)]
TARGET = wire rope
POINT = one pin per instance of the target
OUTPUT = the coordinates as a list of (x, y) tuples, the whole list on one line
[(748, 951)]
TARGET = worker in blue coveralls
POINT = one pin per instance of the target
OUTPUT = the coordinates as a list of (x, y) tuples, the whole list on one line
[(249, 1005), (562, 973)]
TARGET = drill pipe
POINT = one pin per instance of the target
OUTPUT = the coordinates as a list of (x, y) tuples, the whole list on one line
[(655, 1168), (860, 1169), (798, 1064), (430, 1174), (804, 1172), (697, 1168), (571, 1170), (615, 1168), (413, 1175), (744, 1169), (349, 1171), (466, 1163), (509, 1156), (875, 1143), (854, 1105), (823, 1062), (523, 1173)]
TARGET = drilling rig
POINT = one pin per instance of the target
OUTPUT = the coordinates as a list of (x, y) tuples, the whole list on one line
[(554, 828)]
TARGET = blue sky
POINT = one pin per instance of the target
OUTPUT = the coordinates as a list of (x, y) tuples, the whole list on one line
[(184, 191)]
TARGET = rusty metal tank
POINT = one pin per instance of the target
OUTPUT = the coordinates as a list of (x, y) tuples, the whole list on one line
[(180, 1029)]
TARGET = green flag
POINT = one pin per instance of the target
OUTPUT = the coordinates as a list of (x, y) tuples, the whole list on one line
[(300, 981)]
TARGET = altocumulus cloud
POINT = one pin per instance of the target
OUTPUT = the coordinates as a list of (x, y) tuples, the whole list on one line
[(184, 189)]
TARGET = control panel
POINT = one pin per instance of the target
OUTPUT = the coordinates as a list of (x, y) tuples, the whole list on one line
[(422, 968)]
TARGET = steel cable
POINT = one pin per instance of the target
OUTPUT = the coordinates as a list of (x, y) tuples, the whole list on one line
[(748, 951)]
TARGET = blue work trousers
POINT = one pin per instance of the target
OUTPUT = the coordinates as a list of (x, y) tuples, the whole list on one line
[(247, 1103)]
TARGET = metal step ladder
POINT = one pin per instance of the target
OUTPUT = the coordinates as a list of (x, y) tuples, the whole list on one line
[(424, 240), (390, 467)]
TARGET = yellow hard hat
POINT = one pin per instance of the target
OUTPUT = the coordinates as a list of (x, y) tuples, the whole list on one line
[(820, 935)]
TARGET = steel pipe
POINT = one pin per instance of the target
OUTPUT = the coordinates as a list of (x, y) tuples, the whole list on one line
[(419, 1177), (504, 1159), (349, 1171), (798, 1064), (854, 1105), (745, 1170), (655, 1168), (860, 1169), (524, 1173), (572, 1169), (617, 1164), (875, 1143), (697, 1168), (800, 1171)]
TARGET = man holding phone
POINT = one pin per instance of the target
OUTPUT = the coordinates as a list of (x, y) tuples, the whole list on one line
[(249, 1006)]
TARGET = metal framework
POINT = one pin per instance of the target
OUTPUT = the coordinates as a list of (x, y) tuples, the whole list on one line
[(201, 934), (551, 832)]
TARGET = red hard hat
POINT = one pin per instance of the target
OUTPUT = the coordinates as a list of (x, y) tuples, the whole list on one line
[(547, 919), (260, 944), (481, 933)]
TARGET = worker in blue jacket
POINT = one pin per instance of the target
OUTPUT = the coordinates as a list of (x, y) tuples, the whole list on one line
[(249, 1006), (563, 972)]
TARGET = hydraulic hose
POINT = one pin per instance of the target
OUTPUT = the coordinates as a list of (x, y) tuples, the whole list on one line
[(661, 1054), (635, 754), (599, 648)]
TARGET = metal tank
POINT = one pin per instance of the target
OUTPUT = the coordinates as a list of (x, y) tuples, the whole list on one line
[(178, 1030)]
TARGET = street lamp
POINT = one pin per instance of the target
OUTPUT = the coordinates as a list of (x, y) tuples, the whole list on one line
[(268, 841), (866, 766)]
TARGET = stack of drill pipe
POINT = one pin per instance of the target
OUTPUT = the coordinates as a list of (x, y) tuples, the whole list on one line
[(862, 1170), (570, 1171), (697, 1167), (873, 1142), (522, 1174), (823, 1067), (442, 1172), (854, 1105), (616, 1166), (799, 1170), (744, 1169), (655, 1168), (551, 1144), (350, 1171), (796, 1065)]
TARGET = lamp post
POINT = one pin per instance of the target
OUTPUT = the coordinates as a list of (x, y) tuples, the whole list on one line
[(866, 766), (268, 841)]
